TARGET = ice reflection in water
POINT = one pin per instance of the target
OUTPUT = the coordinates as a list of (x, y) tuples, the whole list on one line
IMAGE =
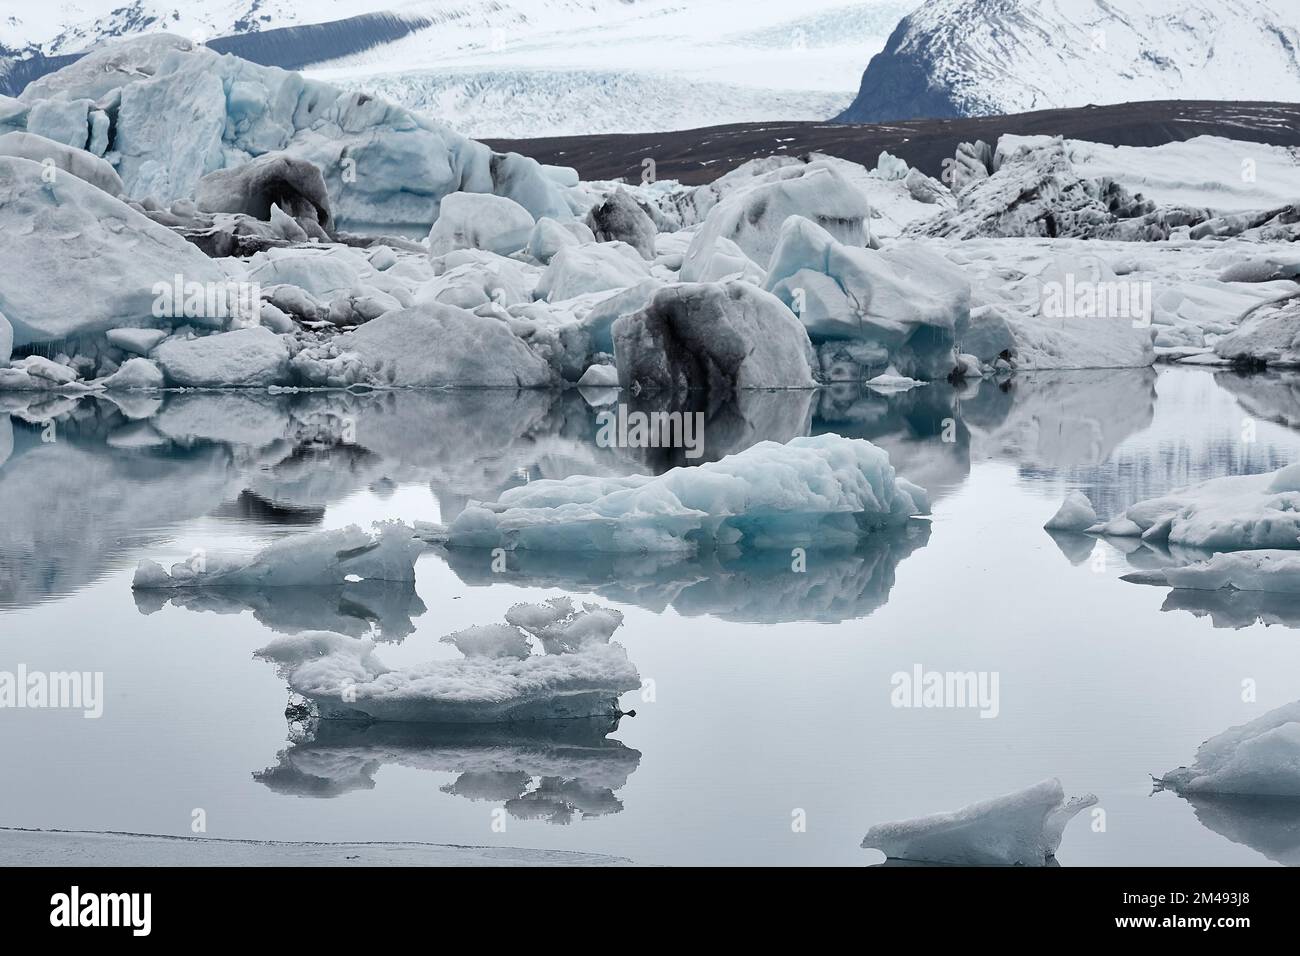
[(558, 771), (131, 477)]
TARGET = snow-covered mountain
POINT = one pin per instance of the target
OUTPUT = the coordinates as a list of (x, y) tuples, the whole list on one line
[(987, 57), (515, 68)]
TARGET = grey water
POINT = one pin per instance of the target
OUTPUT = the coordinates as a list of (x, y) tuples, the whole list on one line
[(766, 731)]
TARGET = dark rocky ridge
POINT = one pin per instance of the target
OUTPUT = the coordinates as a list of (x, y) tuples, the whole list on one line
[(702, 155)]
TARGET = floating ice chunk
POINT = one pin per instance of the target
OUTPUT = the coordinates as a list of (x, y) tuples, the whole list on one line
[(1259, 758), (1075, 514), (715, 336), (387, 553), (598, 267), (905, 302), (343, 679), (752, 217), (6, 340), (323, 273), (1020, 829), (1269, 336), (599, 376), (135, 373), (38, 366), (480, 221), (1233, 513), (48, 225), (136, 341), (431, 345), (824, 491), (620, 219), (549, 237), (890, 381), (1264, 570), (245, 358), (725, 260)]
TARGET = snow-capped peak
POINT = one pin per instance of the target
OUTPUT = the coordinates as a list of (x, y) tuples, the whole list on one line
[(987, 57)]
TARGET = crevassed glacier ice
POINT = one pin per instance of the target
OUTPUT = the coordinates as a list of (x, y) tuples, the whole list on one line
[(387, 553), (1020, 829), (823, 491), (344, 679)]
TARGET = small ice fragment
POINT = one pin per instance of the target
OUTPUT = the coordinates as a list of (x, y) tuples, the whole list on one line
[(1020, 829), (1075, 514)]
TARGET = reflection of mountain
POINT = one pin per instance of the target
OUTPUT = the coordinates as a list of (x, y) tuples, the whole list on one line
[(551, 770), (747, 586), (1268, 825), (382, 609)]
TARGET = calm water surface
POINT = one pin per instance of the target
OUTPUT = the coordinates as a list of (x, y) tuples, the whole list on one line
[(771, 690)]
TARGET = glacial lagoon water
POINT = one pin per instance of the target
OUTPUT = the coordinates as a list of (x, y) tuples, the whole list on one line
[(768, 700)]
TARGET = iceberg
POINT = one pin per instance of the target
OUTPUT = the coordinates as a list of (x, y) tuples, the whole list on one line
[(819, 492), (752, 216), (343, 679), (480, 221), (1259, 758), (48, 225), (430, 345), (620, 219), (1075, 514), (245, 358), (718, 337), (1233, 513), (899, 307), (1271, 570), (1020, 829), (387, 553)]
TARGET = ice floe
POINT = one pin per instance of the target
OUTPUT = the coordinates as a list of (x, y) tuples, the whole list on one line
[(1233, 513), (1259, 758), (343, 679), (1020, 829), (387, 553), (823, 491)]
